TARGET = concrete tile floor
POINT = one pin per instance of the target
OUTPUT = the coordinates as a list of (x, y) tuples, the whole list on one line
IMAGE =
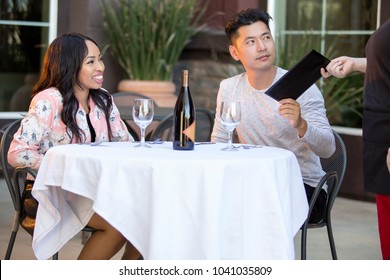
[(354, 226)]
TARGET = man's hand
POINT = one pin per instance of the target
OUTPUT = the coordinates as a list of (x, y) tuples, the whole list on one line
[(291, 110)]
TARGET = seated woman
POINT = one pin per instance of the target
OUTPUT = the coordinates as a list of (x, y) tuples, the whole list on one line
[(70, 106)]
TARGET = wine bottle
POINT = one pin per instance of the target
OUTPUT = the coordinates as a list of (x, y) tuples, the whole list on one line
[(184, 119)]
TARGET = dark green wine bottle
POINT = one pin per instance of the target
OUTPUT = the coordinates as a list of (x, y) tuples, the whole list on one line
[(184, 119)]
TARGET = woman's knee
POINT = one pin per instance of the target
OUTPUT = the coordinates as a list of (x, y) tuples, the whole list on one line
[(99, 224)]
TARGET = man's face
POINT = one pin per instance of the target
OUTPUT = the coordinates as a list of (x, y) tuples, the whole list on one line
[(254, 47)]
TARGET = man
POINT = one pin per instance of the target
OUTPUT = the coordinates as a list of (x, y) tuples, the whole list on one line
[(298, 125)]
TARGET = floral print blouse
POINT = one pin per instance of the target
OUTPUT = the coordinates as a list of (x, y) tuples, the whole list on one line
[(42, 128)]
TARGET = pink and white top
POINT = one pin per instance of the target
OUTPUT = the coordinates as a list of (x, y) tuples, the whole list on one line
[(42, 128)]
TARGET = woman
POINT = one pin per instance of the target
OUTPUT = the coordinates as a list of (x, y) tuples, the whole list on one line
[(376, 121), (69, 106)]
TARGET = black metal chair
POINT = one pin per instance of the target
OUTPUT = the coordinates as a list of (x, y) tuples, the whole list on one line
[(334, 167), (124, 101), (164, 130), (127, 98), (204, 127), (15, 179)]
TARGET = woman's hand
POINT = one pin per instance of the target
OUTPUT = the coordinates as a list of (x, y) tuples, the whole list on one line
[(342, 66)]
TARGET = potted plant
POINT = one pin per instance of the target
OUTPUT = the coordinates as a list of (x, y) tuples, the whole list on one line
[(147, 38)]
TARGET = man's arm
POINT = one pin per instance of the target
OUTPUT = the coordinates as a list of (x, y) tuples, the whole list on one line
[(291, 110), (308, 117)]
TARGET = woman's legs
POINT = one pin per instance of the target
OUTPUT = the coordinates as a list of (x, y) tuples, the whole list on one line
[(104, 243), (131, 253), (383, 208)]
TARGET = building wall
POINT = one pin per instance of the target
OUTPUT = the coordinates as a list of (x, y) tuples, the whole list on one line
[(206, 56)]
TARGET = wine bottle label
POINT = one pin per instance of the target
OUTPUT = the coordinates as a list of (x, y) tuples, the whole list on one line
[(190, 131)]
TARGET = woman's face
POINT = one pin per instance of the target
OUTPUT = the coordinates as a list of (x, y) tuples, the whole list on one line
[(91, 73)]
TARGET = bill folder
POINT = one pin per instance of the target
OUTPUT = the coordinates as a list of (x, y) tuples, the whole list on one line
[(299, 78)]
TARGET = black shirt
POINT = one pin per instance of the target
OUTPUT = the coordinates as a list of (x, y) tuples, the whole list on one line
[(93, 133)]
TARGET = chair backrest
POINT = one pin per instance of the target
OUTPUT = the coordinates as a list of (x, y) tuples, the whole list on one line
[(337, 162), (2, 130), (7, 169), (126, 99), (204, 124), (164, 129), (204, 127)]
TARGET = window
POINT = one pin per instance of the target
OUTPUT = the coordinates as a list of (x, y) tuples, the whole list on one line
[(333, 27), (26, 28)]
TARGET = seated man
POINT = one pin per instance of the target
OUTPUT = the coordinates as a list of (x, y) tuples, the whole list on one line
[(298, 125)]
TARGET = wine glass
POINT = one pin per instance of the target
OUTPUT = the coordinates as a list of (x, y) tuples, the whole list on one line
[(230, 113), (143, 113)]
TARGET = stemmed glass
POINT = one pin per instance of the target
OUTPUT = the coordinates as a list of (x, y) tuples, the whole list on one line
[(143, 113), (230, 113)]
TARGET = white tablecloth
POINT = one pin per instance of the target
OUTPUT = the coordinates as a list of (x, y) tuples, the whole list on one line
[(201, 204)]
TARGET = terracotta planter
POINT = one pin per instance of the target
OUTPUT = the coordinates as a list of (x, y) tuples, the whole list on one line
[(162, 92)]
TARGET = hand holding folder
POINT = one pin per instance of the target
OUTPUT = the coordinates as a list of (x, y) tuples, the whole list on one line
[(299, 78)]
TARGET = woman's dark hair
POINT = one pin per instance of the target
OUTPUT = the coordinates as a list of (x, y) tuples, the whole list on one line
[(61, 67), (245, 17)]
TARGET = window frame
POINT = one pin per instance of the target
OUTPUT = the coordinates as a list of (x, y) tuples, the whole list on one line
[(277, 10), (51, 26)]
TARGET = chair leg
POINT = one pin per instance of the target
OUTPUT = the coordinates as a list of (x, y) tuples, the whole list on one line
[(303, 243), (15, 228), (85, 236), (331, 239), (10, 245)]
